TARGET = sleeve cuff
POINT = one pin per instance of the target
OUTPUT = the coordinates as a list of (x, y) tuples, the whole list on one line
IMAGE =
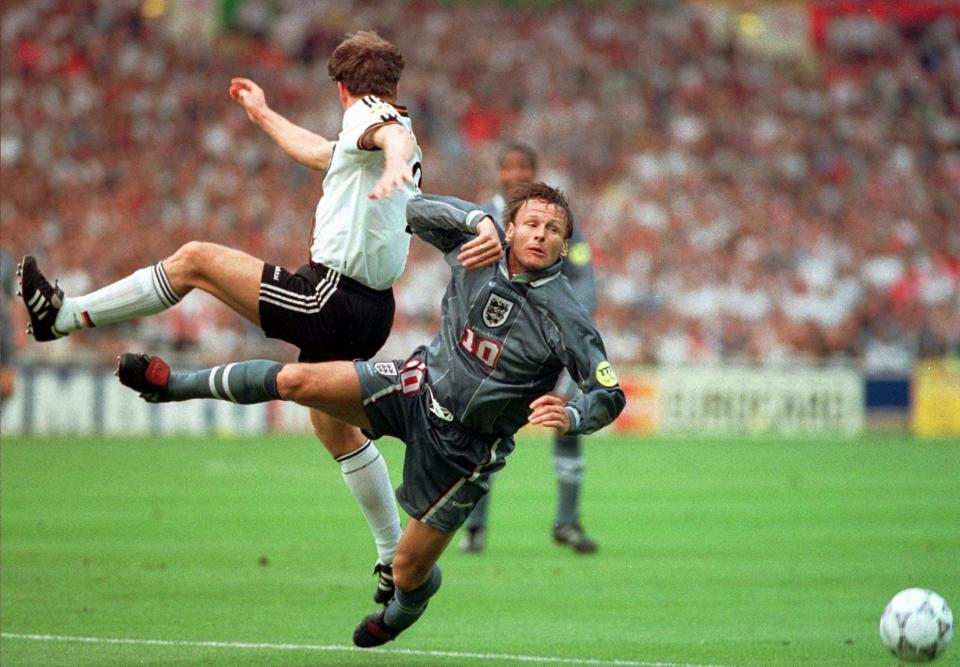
[(473, 219), (365, 137), (574, 418)]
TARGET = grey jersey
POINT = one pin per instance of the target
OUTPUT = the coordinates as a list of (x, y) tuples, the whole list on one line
[(504, 341), (577, 265)]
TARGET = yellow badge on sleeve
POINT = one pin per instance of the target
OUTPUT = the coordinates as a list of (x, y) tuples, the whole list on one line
[(605, 374)]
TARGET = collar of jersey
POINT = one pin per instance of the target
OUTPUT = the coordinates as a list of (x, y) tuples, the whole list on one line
[(352, 112), (532, 278), (357, 110)]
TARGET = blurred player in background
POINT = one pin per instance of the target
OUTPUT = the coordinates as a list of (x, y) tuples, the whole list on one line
[(508, 331), (518, 165), (7, 282), (338, 306)]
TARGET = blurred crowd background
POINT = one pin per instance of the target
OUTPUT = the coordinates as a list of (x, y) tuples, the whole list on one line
[(741, 205)]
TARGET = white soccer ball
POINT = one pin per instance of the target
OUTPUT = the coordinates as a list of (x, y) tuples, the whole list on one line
[(917, 625)]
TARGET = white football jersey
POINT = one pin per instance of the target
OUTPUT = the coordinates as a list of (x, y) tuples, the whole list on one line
[(362, 238)]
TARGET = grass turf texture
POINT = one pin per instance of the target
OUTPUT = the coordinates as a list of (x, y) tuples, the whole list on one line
[(747, 552)]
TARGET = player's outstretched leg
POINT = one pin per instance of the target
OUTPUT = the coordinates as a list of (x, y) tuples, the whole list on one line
[(53, 315), (242, 382), (569, 465), (42, 299), (402, 612)]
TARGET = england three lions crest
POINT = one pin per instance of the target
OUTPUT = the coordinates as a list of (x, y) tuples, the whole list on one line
[(497, 310)]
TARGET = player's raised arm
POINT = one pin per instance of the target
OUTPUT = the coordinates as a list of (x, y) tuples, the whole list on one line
[(304, 146), (398, 145), (448, 222), (444, 222)]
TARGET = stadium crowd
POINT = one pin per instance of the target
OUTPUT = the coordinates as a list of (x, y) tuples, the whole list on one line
[(739, 208)]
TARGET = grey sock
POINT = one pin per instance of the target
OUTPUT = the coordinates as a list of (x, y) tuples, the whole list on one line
[(569, 465), (407, 606), (244, 382)]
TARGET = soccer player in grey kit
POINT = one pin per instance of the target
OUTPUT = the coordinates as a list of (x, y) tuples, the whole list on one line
[(507, 333), (518, 165)]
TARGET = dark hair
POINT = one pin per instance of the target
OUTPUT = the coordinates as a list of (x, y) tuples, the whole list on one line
[(367, 64), (523, 149), (524, 192)]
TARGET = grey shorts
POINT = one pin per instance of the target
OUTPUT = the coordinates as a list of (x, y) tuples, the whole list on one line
[(446, 468)]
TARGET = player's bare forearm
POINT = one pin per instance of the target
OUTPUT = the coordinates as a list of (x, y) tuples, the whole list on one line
[(398, 145), (309, 149), (304, 146), (484, 250)]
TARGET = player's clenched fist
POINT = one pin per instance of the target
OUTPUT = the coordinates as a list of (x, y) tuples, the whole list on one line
[(250, 96)]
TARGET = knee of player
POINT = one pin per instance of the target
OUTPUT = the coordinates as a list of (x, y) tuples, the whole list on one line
[(188, 261), (294, 382)]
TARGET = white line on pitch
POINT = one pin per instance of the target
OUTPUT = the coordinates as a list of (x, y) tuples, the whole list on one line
[(347, 649)]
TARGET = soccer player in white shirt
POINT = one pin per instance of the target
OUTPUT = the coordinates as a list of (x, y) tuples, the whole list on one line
[(338, 306)]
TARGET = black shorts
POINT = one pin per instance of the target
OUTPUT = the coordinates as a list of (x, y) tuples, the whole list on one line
[(327, 315)]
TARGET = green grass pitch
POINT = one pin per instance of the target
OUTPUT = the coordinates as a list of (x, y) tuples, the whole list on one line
[(712, 551)]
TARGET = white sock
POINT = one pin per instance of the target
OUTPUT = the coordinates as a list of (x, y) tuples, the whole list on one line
[(144, 292), (366, 474)]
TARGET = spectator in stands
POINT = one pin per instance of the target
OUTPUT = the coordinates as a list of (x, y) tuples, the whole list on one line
[(795, 206)]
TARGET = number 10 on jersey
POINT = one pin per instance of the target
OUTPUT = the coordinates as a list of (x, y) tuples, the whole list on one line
[(484, 349)]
